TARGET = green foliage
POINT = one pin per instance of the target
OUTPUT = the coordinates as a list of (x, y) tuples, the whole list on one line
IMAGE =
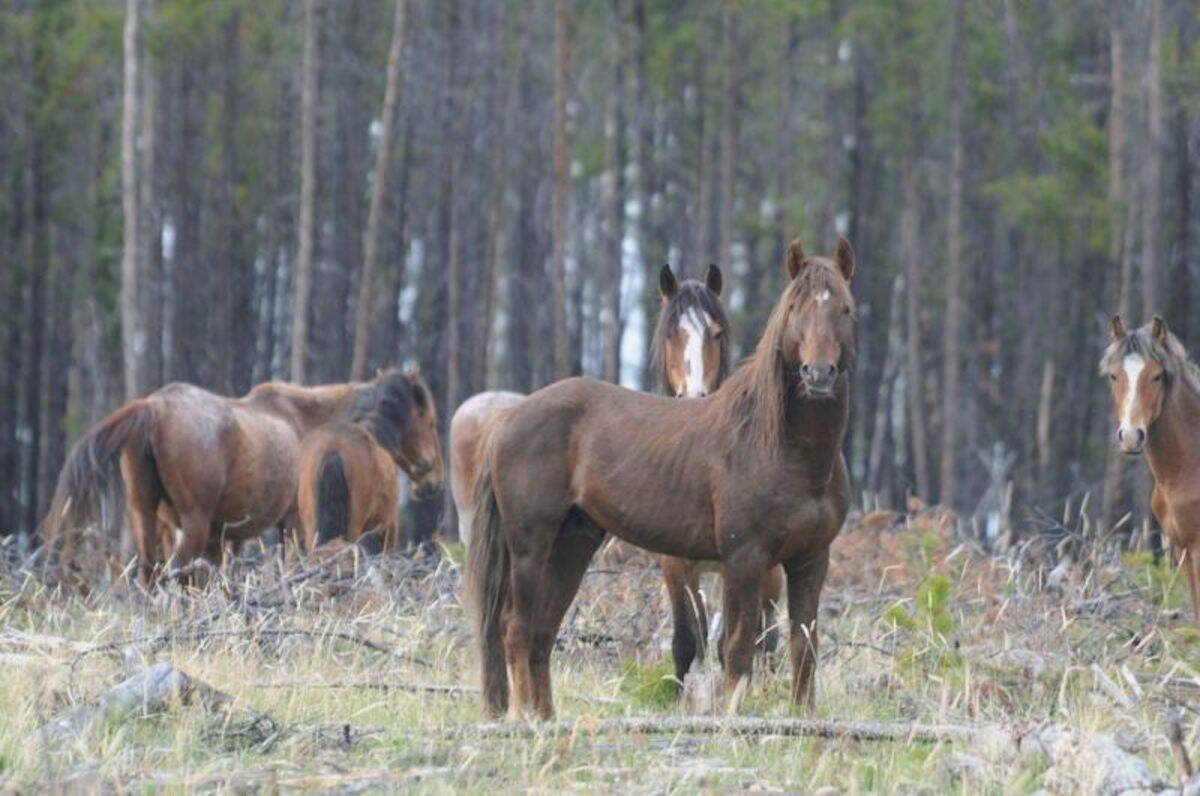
[(651, 685), (1164, 582), (931, 609)]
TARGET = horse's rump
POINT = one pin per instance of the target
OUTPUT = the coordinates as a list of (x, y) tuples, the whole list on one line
[(90, 487), (333, 498), (469, 428)]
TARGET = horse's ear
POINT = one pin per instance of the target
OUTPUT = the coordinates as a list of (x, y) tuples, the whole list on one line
[(1158, 328), (713, 279), (1117, 333), (666, 281), (845, 258), (794, 258)]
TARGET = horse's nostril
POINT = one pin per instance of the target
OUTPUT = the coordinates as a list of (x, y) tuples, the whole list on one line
[(1141, 436)]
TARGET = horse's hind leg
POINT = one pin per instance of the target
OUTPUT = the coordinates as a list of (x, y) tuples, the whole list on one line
[(687, 608), (573, 550), (805, 577), (193, 543), (143, 493)]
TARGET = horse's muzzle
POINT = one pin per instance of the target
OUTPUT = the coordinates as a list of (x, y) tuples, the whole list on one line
[(818, 380), (1131, 440)]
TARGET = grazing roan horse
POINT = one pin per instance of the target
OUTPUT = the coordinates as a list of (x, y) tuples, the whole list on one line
[(750, 477), (213, 468), (690, 351), (468, 427), (1156, 394), (349, 468)]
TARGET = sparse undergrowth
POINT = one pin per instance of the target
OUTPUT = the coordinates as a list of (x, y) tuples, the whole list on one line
[(915, 627)]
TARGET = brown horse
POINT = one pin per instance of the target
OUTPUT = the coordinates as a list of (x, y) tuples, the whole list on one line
[(215, 469), (349, 469), (750, 477), (1156, 394), (691, 354)]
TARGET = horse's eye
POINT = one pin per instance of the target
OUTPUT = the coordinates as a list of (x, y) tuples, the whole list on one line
[(1157, 378), (846, 310), (1112, 377), (717, 332)]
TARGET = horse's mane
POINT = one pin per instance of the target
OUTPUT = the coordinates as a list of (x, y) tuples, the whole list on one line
[(755, 397), (385, 408), (692, 294), (1170, 352)]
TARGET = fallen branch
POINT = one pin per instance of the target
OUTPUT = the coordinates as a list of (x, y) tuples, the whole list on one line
[(149, 691), (736, 725), (374, 685)]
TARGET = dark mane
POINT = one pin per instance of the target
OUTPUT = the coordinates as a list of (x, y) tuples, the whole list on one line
[(386, 406), (755, 396), (1171, 353), (692, 294)]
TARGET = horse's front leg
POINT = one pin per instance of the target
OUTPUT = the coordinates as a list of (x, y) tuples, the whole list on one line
[(743, 613), (805, 577), (687, 607)]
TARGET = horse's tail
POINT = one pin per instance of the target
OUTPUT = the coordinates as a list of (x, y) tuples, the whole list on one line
[(333, 499), (90, 487), (487, 581)]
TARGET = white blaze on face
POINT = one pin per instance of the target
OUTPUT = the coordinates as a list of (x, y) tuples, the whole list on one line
[(693, 325), (823, 296), (1134, 364)]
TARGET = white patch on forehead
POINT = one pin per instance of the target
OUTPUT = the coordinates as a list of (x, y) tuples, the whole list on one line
[(693, 323), (823, 296), (1134, 365)]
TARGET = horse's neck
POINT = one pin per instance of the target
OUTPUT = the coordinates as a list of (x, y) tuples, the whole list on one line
[(815, 429), (1173, 449)]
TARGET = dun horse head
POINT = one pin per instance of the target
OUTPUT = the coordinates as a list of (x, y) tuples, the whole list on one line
[(691, 347), (403, 419), (1138, 365), (816, 334)]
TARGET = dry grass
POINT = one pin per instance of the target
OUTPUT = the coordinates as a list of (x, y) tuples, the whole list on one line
[(917, 626)]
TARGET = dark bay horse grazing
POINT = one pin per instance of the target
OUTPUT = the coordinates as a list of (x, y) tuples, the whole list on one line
[(1156, 394), (348, 468), (691, 354), (210, 467), (750, 477)]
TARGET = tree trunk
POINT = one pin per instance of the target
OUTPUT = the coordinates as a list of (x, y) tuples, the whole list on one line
[(1179, 303), (504, 105), (383, 170), (729, 101), (455, 365), (308, 186), (911, 255), (883, 402), (562, 55), (952, 335), (152, 216), (615, 136), (132, 331), (1118, 200), (1152, 170)]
